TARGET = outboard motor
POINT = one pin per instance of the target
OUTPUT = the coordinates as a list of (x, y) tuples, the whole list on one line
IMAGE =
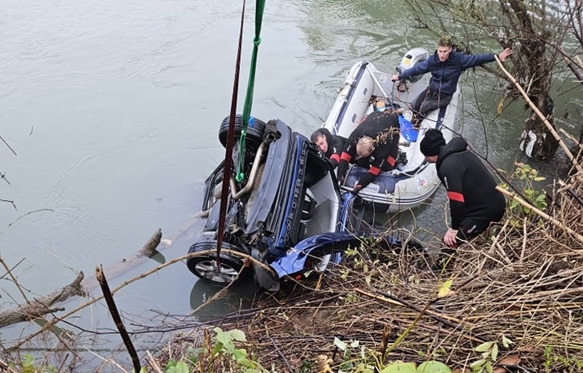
[(412, 58)]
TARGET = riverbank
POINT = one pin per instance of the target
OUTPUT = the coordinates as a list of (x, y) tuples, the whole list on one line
[(511, 299)]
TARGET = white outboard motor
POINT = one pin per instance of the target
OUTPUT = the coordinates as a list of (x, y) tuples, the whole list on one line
[(412, 58)]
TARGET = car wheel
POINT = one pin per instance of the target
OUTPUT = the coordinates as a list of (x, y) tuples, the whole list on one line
[(205, 267), (255, 129)]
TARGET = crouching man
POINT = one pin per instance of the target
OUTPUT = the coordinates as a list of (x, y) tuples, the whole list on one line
[(474, 202)]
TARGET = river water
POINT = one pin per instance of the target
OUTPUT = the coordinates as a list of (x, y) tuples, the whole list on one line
[(113, 109)]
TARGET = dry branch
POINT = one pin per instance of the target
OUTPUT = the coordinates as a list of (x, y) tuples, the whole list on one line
[(541, 214), (117, 318), (147, 251), (575, 68), (41, 306), (541, 116)]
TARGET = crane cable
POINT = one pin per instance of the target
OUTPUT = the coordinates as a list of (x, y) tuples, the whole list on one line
[(227, 166)]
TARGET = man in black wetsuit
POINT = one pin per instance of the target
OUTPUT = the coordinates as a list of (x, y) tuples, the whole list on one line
[(328, 144), (373, 144), (474, 201)]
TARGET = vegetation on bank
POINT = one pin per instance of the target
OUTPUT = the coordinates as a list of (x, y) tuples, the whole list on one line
[(511, 301)]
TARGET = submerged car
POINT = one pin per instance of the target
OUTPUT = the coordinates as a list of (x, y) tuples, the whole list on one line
[(287, 212)]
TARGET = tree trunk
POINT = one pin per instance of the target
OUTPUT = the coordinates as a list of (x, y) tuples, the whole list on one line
[(536, 140)]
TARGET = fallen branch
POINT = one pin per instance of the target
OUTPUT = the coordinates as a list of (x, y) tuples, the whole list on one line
[(41, 306), (51, 323), (147, 251)]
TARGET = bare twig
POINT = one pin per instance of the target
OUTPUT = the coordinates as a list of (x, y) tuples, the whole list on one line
[(541, 116), (117, 318), (7, 145)]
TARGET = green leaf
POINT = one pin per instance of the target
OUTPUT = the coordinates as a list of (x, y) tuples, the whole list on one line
[(224, 338), (478, 364), (400, 367), (180, 367), (433, 367), (486, 346), (338, 343), (539, 178), (495, 352), (239, 354), (444, 291), (237, 335), (218, 347), (506, 342)]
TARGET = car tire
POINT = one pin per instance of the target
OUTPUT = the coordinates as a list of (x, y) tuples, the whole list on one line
[(255, 129), (205, 268)]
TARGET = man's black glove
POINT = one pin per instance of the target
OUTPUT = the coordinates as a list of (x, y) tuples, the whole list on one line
[(342, 168), (333, 163)]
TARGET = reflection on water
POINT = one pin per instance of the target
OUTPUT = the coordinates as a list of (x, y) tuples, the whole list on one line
[(209, 301)]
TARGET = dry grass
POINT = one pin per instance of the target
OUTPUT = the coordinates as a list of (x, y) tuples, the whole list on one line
[(523, 282)]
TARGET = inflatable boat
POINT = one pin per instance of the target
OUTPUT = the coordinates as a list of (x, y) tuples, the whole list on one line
[(413, 180)]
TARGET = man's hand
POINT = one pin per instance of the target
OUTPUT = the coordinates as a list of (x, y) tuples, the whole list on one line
[(356, 189), (394, 77), (504, 54), (450, 238)]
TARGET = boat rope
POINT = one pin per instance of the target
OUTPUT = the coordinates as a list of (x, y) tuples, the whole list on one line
[(405, 125), (259, 7)]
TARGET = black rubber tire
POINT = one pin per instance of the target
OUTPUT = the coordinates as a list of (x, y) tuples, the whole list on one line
[(204, 267), (255, 130)]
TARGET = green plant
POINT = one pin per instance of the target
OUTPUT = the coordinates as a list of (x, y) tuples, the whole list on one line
[(226, 346), (426, 367), (489, 351), (527, 176), (357, 358), (569, 363), (223, 353), (354, 357), (27, 365), (177, 367)]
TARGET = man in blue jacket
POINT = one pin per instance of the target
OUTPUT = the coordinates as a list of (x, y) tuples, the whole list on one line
[(474, 202), (445, 66)]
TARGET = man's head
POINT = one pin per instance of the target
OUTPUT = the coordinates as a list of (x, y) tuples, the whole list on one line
[(319, 139), (364, 147), (444, 46), (432, 141)]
